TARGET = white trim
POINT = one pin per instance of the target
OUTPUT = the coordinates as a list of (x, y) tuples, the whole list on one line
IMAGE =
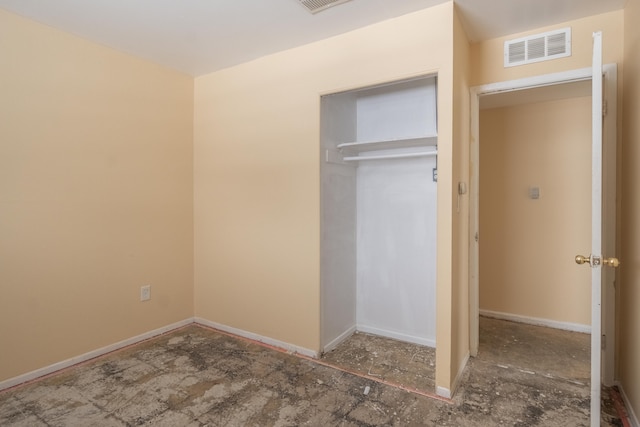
[(633, 419), (567, 326), (29, 376), (552, 79), (337, 341), (397, 335), (596, 230), (255, 337), (448, 393), (443, 392), (609, 147)]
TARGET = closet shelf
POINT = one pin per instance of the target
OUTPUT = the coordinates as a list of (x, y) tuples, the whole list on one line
[(358, 147), (391, 156)]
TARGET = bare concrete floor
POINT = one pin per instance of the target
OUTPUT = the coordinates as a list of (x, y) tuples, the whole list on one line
[(404, 363), (199, 377)]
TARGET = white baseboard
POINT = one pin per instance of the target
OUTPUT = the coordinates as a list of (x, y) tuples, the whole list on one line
[(444, 392), (255, 337), (336, 341), (633, 419), (567, 326), (396, 335), (29, 376), (448, 393)]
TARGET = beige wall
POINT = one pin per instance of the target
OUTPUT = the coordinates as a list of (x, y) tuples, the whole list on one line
[(95, 196), (460, 203), (629, 288), (257, 173), (527, 248), (488, 61)]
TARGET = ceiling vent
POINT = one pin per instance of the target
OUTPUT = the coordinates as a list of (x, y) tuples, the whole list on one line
[(536, 48), (315, 6)]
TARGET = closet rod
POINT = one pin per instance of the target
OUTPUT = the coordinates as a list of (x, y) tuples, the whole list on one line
[(390, 156)]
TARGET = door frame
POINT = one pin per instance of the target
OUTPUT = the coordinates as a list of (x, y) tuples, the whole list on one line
[(609, 200)]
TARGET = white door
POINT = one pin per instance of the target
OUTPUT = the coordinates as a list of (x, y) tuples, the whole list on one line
[(597, 260)]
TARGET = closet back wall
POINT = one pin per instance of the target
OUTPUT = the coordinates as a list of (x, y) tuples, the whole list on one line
[(396, 216)]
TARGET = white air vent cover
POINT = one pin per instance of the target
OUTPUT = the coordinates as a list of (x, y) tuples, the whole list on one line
[(315, 6), (536, 48)]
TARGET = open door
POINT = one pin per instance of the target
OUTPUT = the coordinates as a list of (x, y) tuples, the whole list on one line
[(598, 260)]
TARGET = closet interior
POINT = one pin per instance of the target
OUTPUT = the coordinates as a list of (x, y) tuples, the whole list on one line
[(378, 221)]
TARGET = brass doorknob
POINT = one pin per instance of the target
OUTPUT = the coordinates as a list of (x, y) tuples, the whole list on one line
[(611, 262), (580, 259)]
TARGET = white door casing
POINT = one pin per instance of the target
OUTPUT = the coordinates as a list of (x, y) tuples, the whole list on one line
[(596, 228)]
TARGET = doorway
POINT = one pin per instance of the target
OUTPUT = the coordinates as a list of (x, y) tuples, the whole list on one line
[(535, 186), (535, 183), (607, 156)]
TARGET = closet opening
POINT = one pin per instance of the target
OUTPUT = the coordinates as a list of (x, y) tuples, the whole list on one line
[(378, 149), (535, 157)]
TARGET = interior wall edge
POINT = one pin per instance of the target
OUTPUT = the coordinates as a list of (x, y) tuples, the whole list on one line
[(73, 361), (292, 348), (537, 321), (367, 329), (338, 340), (633, 418), (448, 393), (461, 370)]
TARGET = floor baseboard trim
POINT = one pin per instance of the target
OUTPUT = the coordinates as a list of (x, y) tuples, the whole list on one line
[(444, 392), (395, 335), (54, 368), (448, 393), (633, 419), (567, 326), (338, 340), (291, 348)]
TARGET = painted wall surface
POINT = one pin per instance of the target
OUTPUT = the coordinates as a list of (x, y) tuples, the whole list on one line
[(528, 245), (487, 57), (397, 249), (95, 196), (460, 205), (629, 289), (396, 216), (257, 171)]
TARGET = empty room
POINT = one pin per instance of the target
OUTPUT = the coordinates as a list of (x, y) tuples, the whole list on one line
[(319, 212)]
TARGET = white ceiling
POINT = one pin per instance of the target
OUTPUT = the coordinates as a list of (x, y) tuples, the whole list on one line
[(201, 36)]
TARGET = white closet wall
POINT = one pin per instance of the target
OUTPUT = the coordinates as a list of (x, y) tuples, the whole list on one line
[(338, 222), (396, 223), (379, 216)]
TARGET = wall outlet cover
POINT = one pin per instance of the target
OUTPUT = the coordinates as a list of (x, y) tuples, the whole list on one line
[(145, 293)]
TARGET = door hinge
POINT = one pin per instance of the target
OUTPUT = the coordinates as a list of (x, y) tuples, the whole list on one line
[(604, 108), (476, 237), (604, 342)]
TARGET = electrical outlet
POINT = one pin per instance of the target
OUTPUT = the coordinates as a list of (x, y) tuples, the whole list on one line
[(145, 293)]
